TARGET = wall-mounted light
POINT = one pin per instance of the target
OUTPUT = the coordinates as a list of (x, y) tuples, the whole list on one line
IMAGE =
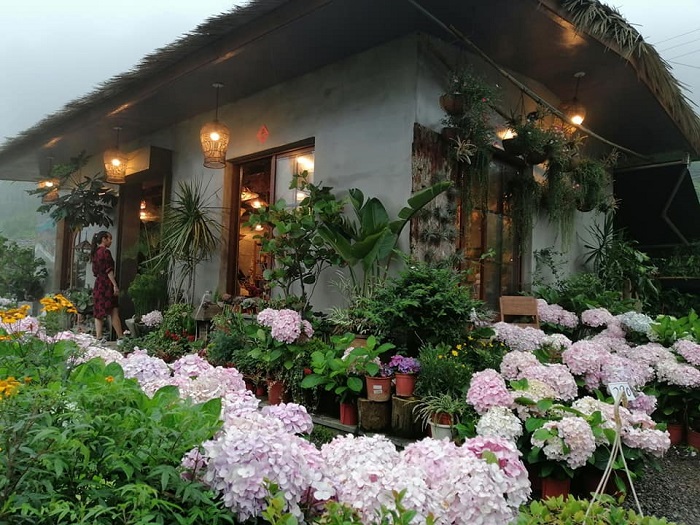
[(115, 163), (214, 138), (573, 110)]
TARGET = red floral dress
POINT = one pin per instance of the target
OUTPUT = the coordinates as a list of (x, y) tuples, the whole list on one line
[(103, 292)]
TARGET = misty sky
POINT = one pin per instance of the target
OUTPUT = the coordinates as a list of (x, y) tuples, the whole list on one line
[(54, 51)]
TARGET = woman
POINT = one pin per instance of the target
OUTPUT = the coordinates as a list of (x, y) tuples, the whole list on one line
[(105, 292)]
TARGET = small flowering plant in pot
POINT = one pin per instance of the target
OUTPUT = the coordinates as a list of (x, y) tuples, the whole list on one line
[(405, 371)]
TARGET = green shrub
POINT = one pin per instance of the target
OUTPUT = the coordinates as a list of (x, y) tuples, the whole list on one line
[(88, 446), (22, 275), (557, 511), (229, 341), (424, 304)]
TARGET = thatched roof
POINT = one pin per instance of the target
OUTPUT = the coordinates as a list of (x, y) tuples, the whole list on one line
[(160, 67), (607, 25)]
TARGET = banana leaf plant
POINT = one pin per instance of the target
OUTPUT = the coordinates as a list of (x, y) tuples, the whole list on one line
[(368, 243)]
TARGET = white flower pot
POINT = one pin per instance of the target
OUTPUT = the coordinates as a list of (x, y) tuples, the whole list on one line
[(438, 431)]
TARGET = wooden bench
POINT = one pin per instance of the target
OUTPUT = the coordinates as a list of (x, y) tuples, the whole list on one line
[(515, 307)]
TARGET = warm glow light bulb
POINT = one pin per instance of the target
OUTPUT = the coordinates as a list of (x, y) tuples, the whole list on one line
[(48, 184), (258, 228), (577, 119), (116, 162), (256, 204), (214, 136)]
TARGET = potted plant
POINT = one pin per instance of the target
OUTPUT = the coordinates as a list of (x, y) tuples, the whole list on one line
[(191, 233), (148, 291), (334, 370), (378, 376), (561, 197), (441, 413), (523, 197), (535, 141), (405, 371), (593, 181)]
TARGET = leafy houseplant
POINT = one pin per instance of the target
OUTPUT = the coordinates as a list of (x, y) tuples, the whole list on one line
[(148, 291), (292, 238), (561, 198), (191, 233), (370, 240), (440, 409), (523, 198), (534, 141)]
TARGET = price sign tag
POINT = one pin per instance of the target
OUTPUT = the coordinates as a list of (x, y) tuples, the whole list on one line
[(377, 389), (616, 390)]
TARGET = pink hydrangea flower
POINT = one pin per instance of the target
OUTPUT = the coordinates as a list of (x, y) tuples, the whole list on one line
[(513, 363), (689, 350), (522, 339), (573, 442), (555, 314), (488, 389), (556, 376), (597, 317), (285, 325), (295, 417)]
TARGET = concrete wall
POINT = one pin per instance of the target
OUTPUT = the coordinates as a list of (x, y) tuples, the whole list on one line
[(361, 113)]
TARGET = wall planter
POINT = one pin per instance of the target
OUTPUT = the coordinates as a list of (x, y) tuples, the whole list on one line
[(378, 388)]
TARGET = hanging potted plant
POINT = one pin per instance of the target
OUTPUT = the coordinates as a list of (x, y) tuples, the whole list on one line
[(561, 197), (594, 182), (523, 198), (534, 141)]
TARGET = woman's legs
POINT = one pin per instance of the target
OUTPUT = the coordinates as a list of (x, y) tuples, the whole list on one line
[(117, 323), (99, 323)]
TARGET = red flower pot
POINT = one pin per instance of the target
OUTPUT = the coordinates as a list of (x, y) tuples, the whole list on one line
[(348, 414), (693, 438), (378, 388), (552, 487), (675, 431), (275, 390), (405, 384)]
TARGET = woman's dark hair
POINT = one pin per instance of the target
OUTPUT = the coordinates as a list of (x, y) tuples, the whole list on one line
[(96, 241)]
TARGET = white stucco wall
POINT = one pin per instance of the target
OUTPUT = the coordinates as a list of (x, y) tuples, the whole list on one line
[(361, 113)]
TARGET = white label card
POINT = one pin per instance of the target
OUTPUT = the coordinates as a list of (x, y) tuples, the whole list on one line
[(377, 389), (616, 390)]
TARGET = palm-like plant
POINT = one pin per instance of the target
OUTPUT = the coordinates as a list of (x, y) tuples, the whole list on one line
[(191, 231)]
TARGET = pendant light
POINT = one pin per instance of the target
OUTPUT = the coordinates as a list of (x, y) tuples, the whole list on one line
[(573, 110), (49, 186), (115, 163), (214, 138)]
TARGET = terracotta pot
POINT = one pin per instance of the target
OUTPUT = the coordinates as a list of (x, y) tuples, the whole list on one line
[(348, 414), (360, 341), (512, 146), (405, 384), (551, 487), (442, 418), (260, 390), (675, 431), (693, 438), (378, 388), (533, 474), (275, 391), (591, 480)]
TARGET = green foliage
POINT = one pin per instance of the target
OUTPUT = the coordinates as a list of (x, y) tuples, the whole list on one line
[(523, 199), (85, 445), (443, 372), (618, 263), (22, 275), (174, 338), (293, 240), (429, 407), (191, 232), (81, 298), (669, 329), (593, 181), (369, 240), (561, 198), (424, 304), (536, 141), (148, 291), (558, 510), (230, 342), (683, 261), (89, 202)]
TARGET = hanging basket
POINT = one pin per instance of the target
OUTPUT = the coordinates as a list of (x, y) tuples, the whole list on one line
[(454, 104)]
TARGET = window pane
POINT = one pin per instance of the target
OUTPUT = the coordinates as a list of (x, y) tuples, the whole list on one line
[(286, 167)]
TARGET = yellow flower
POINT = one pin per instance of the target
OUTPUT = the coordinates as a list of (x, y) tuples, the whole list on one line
[(459, 347), (455, 353), (440, 356), (8, 386), (109, 379)]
